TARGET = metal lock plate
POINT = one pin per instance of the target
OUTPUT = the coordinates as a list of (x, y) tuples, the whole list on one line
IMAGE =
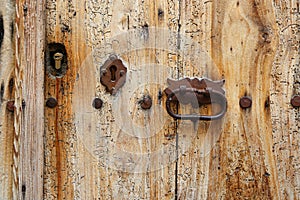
[(113, 75)]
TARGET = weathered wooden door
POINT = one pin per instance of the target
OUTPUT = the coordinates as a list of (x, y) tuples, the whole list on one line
[(64, 136)]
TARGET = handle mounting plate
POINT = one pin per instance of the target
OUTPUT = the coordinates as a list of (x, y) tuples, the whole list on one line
[(196, 92)]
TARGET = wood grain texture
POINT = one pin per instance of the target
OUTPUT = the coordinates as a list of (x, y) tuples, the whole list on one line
[(285, 83), (237, 165), (21, 81), (74, 151), (245, 40), (91, 154), (6, 95), (29, 101), (82, 156)]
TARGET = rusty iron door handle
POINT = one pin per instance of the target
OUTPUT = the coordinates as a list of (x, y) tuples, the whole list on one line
[(215, 95), (197, 93)]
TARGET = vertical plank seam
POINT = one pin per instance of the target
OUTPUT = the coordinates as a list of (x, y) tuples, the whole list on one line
[(177, 106)]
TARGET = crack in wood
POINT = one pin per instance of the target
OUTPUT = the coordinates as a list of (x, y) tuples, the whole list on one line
[(1, 30)]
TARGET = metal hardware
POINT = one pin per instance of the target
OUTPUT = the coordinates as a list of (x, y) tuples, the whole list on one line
[(113, 74), (295, 101), (51, 102), (146, 102), (97, 103), (10, 106), (245, 102), (58, 58), (196, 92)]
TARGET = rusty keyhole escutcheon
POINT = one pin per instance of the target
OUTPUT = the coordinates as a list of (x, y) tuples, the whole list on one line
[(113, 74)]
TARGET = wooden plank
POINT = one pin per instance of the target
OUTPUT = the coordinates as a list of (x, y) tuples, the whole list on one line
[(196, 141), (22, 136), (29, 98), (6, 95), (285, 83), (256, 154), (92, 154)]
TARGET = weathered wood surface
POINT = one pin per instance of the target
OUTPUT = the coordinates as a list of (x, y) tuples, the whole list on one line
[(22, 78), (29, 99), (81, 155), (92, 154), (6, 94), (242, 39)]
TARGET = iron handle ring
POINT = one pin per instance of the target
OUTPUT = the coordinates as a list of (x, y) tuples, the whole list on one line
[(218, 97)]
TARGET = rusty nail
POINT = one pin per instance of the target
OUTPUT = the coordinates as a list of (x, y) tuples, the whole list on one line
[(146, 102), (10, 106), (51, 102), (103, 72), (122, 72), (245, 102), (295, 101), (113, 57), (97, 103)]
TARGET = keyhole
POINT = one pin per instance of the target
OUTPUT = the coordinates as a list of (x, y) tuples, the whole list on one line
[(113, 70)]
